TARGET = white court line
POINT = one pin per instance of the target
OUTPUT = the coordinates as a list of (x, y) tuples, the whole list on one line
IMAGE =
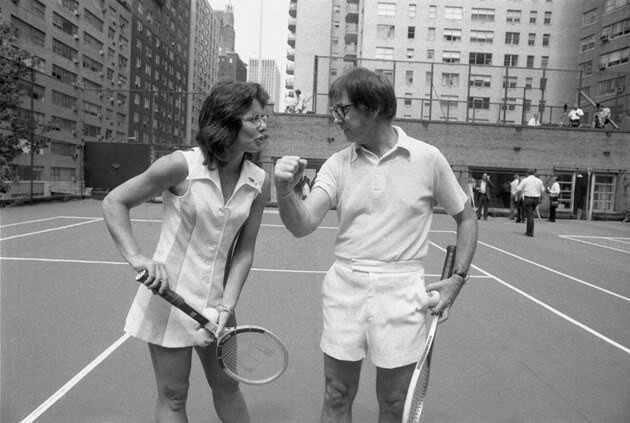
[(557, 312), (572, 238), (50, 230), (590, 285), (72, 382), (29, 221)]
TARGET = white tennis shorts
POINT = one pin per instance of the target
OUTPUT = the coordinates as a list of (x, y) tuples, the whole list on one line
[(380, 307)]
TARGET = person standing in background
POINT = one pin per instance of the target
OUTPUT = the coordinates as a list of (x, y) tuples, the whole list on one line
[(483, 196), (575, 116), (514, 197), (554, 197), (532, 190)]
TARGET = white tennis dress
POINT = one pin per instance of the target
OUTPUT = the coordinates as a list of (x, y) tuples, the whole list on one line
[(198, 229)]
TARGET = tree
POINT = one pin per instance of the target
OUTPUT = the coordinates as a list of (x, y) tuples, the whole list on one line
[(17, 78)]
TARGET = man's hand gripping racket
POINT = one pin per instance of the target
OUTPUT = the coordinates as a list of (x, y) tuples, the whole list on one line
[(249, 354), (417, 390)]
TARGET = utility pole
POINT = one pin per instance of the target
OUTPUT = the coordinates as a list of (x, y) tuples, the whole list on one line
[(32, 128)]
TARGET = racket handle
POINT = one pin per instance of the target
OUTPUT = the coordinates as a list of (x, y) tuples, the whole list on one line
[(176, 300), (449, 262)]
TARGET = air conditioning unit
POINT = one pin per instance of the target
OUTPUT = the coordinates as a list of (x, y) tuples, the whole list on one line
[(601, 67), (120, 83), (604, 38), (101, 52), (74, 108), (620, 88), (100, 116), (76, 61), (76, 37), (101, 73), (74, 132), (76, 12), (100, 137)]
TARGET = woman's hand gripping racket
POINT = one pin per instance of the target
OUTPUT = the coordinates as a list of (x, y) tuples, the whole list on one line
[(249, 354), (420, 380)]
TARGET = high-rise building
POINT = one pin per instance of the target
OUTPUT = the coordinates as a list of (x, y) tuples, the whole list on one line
[(486, 61), (604, 56), (203, 71), (232, 67), (159, 71), (226, 31), (81, 56), (267, 74)]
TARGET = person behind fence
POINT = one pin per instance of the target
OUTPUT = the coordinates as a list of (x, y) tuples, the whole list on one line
[(575, 116), (601, 117), (534, 121), (290, 101), (483, 189), (554, 197), (514, 196), (532, 189), (213, 201), (383, 186), (299, 105)]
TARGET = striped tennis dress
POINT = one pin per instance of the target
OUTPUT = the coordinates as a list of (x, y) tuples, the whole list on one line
[(198, 229)]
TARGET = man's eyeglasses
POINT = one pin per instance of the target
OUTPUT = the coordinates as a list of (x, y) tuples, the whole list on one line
[(340, 110), (256, 119)]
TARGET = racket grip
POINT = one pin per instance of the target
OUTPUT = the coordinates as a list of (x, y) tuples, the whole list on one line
[(449, 262), (176, 300)]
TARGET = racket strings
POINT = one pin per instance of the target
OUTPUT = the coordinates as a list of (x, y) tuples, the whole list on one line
[(254, 356), (419, 394)]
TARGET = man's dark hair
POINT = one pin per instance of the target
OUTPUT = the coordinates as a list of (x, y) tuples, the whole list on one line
[(365, 87)]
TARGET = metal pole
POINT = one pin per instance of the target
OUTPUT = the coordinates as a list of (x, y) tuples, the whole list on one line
[(32, 129), (314, 97)]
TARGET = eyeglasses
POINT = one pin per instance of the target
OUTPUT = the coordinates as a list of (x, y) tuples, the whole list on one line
[(256, 119), (340, 110)]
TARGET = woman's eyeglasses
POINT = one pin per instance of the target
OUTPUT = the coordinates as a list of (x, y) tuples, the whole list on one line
[(256, 119), (340, 110)]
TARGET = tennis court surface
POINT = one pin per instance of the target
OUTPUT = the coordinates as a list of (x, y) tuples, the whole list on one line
[(540, 333)]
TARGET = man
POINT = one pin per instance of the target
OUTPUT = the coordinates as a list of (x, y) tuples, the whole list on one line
[(514, 197), (532, 190), (383, 187), (602, 116), (554, 197), (575, 116), (483, 196)]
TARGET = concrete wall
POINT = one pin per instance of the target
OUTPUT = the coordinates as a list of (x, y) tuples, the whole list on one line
[(469, 147)]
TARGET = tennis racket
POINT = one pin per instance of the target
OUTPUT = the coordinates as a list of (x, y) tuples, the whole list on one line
[(420, 380), (249, 354)]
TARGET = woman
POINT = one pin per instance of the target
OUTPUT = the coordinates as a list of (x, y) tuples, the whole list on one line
[(213, 200)]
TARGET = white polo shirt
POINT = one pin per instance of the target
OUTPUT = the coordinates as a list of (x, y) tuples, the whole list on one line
[(385, 206)]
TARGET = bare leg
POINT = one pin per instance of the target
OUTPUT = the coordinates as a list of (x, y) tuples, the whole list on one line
[(391, 390), (342, 381), (172, 372)]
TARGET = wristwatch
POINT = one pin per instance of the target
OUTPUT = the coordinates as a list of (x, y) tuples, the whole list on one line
[(226, 308), (461, 274)]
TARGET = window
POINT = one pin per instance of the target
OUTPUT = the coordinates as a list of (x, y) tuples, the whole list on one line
[(64, 50), (614, 58), (510, 60), (385, 31), (450, 79), (430, 54), (587, 43), (451, 12), (431, 34), (531, 39), (64, 75), (411, 32), (94, 20), (477, 36), (587, 67), (532, 16), (448, 103), (386, 53), (450, 57), (64, 24), (482, 15), (386, 9), (512, 38), (407, 100), (604, 193), (510, 82), (63, 124), (513, 16), (412, 11), (410, 53), (544, 62), (545, 40), (432, 12), (589, 17), (63, 100), (28, 32), (479, 103), (480, 58), (547, 18), (62, 149), (409, 77), (611, 5), (529, 83), (530, 61), (480, 81), (617, 29), (62, 174), (454, 35)]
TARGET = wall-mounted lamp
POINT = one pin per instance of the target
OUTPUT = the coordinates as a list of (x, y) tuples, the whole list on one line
[(517, 149)]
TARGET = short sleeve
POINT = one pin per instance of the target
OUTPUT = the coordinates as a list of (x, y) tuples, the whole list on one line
[(447, 191)]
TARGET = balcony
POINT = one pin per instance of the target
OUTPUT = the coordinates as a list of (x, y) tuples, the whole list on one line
[(293, 9), (350, 52), (352, 1), (292, 23), (290, 68), (351, 33), (288, 84), (291, 40), (291, 53), (352, 13)]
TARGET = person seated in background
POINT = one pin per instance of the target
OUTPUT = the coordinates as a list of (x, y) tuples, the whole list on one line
[(602, 116), (575, 116), (534, 121)]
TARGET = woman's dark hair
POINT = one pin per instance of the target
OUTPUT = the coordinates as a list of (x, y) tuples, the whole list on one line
[(365, 87), (220, 117)]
